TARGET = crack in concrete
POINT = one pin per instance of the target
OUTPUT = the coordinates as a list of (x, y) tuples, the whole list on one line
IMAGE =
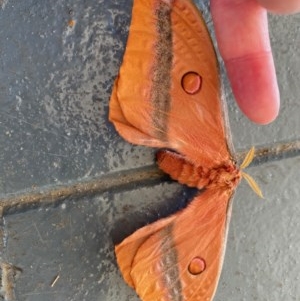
[(9, 276)]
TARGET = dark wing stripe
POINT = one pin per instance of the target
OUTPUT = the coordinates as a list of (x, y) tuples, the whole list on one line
[(169, 263), (161, 83)]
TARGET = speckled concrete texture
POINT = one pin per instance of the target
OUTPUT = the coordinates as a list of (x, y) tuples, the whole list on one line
[(70, 187)]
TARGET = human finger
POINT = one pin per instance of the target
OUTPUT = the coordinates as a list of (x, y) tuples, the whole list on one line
[(243, 40)]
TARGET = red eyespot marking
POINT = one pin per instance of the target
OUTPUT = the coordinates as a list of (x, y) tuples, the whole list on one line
[(197, 266), (191, 82)]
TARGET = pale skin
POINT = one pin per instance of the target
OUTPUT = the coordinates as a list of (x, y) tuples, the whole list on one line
[(243, 39)]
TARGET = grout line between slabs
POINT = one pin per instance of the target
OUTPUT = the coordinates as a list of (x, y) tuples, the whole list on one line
[(126, 179)]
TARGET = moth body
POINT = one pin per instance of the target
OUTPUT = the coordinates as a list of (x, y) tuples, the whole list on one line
[(224, 175)]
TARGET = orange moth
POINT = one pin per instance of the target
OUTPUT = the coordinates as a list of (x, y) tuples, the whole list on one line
[(167, 95)]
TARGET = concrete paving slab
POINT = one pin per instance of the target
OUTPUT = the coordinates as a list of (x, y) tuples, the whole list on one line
[(55, 85)]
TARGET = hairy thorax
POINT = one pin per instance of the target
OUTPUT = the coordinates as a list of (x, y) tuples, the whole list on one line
[(226, 175)]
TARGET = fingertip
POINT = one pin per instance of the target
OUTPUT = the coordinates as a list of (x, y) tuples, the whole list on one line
[(255, 88), (263, 113)]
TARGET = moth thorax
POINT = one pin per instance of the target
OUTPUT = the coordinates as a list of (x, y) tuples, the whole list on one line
[(225, 175)]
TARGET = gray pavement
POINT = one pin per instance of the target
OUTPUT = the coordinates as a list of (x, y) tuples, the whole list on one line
[(70, 187)]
